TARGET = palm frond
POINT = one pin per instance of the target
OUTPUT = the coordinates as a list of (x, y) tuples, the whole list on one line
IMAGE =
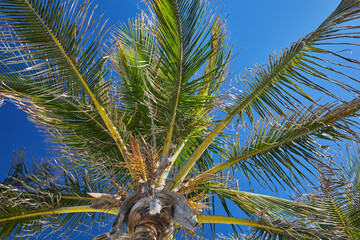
[(268, 231), (32, 200), (351, 163), (254, 204), (186, 40), (152, 75), (290, 230), (338, 198), (309, 64), (282, 83), (55, 51), (132, 58), (275, 150), (338, 195)]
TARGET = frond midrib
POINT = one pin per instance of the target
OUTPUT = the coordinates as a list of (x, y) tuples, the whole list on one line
[(110, 126), (305, 130), (245, 222), (63, 210), (168, 138)]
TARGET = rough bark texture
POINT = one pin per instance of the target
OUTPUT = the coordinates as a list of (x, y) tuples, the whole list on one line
[(146, 232), (144, 226)]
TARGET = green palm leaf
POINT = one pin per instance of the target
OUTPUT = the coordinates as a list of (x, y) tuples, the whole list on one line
[(33, 199), (274, 150), (284, 80), (186, 40), (156, 95), (53, 54), (338, 194), (268, 214), (338, 198), (257, 204)]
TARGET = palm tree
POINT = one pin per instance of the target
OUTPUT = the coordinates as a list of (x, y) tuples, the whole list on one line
[(135, 123)]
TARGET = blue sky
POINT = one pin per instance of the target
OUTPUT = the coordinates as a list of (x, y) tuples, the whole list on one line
[(256, 27)]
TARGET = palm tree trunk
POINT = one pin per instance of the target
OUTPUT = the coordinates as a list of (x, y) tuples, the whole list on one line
[(146, 232), (141, 225)]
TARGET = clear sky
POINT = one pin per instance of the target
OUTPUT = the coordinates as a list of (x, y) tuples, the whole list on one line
[(257, 28)]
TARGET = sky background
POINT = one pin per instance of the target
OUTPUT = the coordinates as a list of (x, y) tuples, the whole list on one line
[(257, 28)]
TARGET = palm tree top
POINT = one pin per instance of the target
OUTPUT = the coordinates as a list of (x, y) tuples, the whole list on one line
[(135, 124)]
